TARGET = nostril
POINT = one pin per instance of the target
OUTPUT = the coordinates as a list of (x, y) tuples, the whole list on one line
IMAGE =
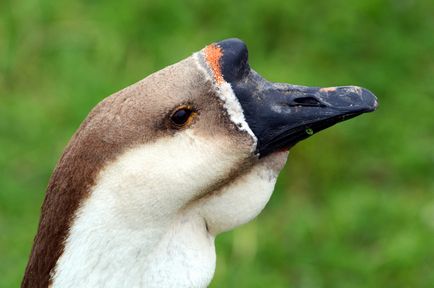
[(306, 101)]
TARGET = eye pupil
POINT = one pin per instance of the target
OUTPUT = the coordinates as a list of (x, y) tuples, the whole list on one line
[(181, 116)]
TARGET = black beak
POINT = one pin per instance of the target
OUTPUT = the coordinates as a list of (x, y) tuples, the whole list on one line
[(280, 115)]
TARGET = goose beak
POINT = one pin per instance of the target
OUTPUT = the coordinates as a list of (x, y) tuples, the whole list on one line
[(281, 115)]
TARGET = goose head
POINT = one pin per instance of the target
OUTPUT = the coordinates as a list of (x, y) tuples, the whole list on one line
[(160, 168)]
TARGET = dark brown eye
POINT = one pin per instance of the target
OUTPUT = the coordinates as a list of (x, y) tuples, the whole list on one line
[(182, 116)]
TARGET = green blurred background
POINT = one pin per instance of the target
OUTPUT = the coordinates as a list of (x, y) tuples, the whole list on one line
[(354, 206)]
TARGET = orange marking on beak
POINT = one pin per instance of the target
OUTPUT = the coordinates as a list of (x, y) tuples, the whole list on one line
[(213, 53), (328, 89)]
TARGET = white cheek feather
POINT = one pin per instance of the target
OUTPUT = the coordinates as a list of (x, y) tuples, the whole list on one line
[(133, 230), (230, 101)]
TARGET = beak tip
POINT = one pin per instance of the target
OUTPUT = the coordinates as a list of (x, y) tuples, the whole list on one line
[(370, 99)]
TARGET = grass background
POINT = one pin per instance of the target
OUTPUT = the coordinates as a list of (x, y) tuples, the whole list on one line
[(355, 205)]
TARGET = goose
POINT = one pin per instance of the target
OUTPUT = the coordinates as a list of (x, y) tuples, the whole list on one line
[(157, 170)]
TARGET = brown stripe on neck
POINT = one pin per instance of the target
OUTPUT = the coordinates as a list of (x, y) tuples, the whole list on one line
[(101, 137), (69, 184)]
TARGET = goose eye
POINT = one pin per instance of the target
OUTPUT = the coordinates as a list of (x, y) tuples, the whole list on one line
[(182, 116)]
